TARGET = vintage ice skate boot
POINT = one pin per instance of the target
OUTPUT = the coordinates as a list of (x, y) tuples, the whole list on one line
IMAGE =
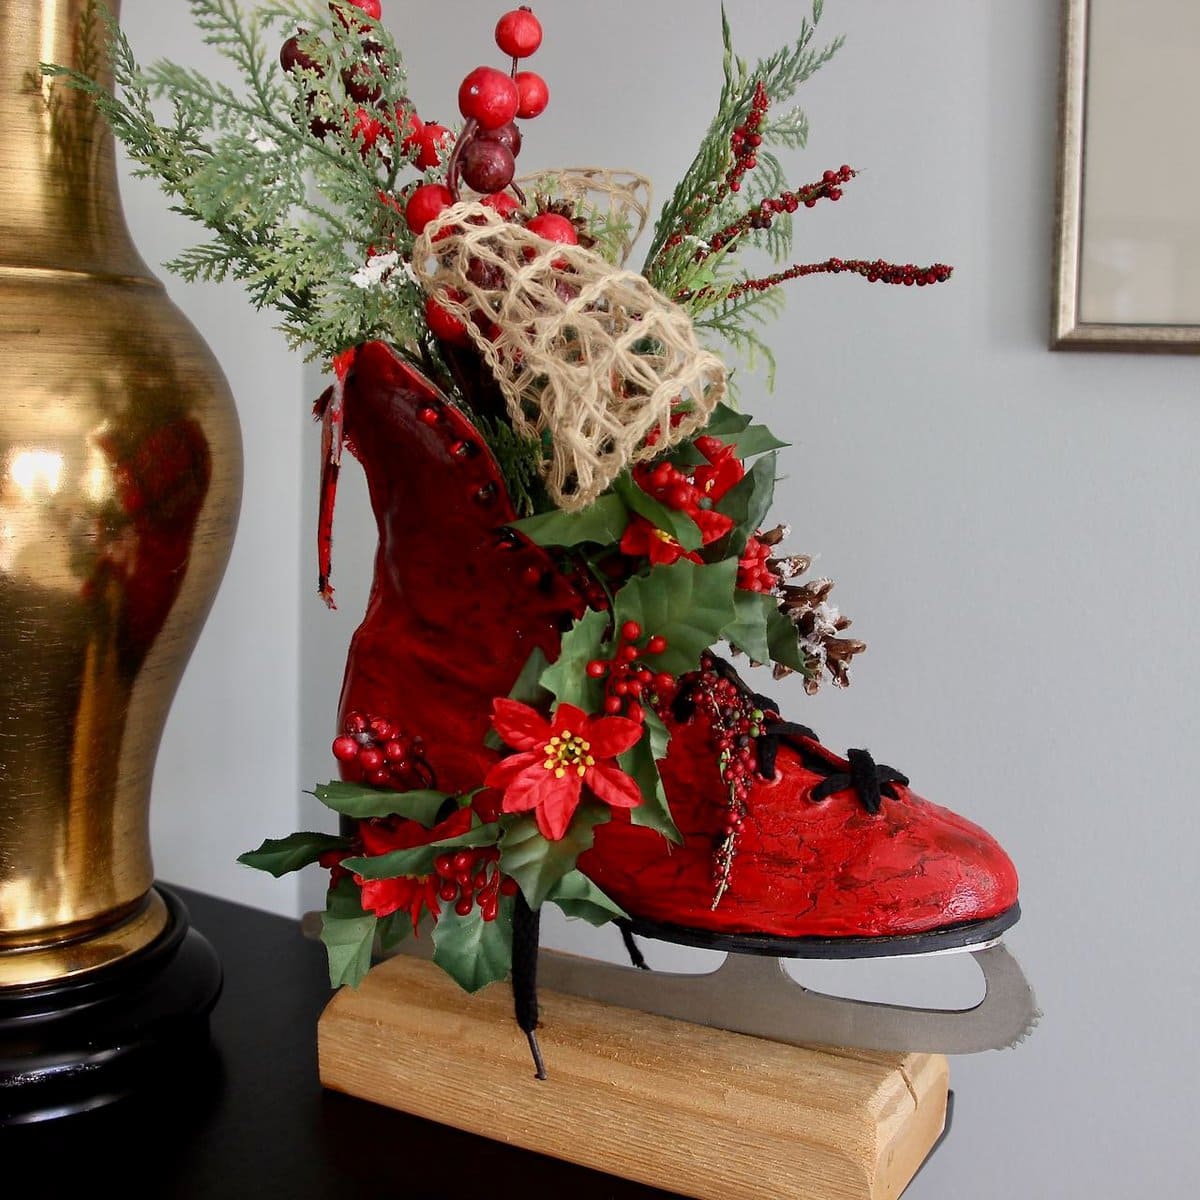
[(782, 846)]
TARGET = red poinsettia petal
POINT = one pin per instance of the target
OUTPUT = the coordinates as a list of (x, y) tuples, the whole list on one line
[(610, 736), (507, 769), (613, 786), (522, 727), (384, 896), (528, 789), (555, 813), (568, 719), (713, 525)]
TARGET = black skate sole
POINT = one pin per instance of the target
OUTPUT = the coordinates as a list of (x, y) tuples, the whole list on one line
[(966, 936)]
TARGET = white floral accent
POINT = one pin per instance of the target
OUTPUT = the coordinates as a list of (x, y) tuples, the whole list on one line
[(375, 271)]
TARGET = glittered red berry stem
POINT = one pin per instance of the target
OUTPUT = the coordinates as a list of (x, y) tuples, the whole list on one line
[(877, 271)]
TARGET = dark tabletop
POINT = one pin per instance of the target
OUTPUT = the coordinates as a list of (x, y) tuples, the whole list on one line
[(254, 1121)]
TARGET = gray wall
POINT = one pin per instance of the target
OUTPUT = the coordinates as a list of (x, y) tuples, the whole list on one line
[(1011, 529)]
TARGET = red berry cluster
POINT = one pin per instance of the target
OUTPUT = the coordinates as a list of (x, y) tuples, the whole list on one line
[(424, 143), (472, 876), (735, 722), (746, 139), (873, 272), (754, 570), (627, 679), (375, 750)]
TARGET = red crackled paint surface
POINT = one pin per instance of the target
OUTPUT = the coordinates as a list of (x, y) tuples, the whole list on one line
[(456, 604), (803, 868)]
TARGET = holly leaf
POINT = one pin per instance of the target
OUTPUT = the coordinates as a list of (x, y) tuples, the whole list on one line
[(602, 522), (356, 800), (640, 762), (535, 862), (579, 897), (527, 689), (472, 951), (392, 930), (679, 525), (687, 603), (748, 630), (784, 641), (418, 860), (748, 502), (348, 940), (757, 439), (567, 679), (734, 429), (278, 856), (344, 900)]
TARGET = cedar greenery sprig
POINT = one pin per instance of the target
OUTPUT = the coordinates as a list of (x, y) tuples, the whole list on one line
[(292, 187)]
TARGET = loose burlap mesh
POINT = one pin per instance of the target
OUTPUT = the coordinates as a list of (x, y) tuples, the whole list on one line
[(620, 198), (583, 351)]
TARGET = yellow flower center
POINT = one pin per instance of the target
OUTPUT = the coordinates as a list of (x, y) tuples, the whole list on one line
[(663, 536), (566, 752)]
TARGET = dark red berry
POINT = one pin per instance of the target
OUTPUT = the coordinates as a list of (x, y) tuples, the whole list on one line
[(487, 166), (370, 759), (597, 668), (656, 645), (509, 136), (631, 631), (532, 95), (489, 97), (362, 83), (518, 33), (464, 906), (345, 748), (293, 58)]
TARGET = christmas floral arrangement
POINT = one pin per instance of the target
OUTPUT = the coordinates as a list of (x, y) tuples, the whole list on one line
[(573, 510)]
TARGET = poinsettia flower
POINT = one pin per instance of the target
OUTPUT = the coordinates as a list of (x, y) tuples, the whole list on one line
[(643, 539), (725, 469), (557, 759), (410, 893)]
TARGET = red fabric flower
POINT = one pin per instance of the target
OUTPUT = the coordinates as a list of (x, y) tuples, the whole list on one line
[(410, 893), (725, 469), (557, 759), (643, 539)]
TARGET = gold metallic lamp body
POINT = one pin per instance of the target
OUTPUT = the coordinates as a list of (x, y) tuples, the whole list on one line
[(120, 479)]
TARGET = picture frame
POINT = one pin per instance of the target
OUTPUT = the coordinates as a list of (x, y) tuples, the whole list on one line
[(1127, 255)]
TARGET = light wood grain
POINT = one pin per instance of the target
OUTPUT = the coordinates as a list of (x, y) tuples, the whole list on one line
[(694, 1110)]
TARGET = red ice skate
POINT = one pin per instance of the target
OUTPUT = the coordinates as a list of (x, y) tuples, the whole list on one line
[(810, 854)]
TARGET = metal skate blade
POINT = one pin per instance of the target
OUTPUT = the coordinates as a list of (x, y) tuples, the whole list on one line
[(752, 994)]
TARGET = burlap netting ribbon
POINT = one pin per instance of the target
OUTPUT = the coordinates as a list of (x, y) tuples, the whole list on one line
[(584, 351)]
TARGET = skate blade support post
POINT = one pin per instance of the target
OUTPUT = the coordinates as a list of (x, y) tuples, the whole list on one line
[(678, 1104)]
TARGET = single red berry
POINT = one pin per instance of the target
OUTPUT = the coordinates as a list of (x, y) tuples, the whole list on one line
[(444, 324), (366, 128), (443, 865), (597, 668), (464, 906), (634, 711), (664, 683), (426, 202), (380, 777), (293, 58), (532, 94), (631, 631), (448, 891), (503, 203), (518, 33), (489, 97), (612, 705), (345, 748), (410, 126), (370, 759), (432, 145), (341, 9), (362, 83), (508, 886), (509, 136), (656, 645)]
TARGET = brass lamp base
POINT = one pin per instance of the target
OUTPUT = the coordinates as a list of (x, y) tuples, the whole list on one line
[(85, 1042)]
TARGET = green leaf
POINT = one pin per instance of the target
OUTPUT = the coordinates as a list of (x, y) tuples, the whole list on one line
[(679, 525), (472, 951), (748, 630), (278, 856), (355, 800), (527, 689), (348, 944), (748, 502), (535, 862), (734, 429), (687, 603), (640, 762), (578, 896), (419, 859), (567, 679), (392, 930), (602, 522), (757, 439), (784, 640)]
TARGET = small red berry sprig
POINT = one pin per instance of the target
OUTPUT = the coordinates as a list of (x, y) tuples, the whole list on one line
[(878, 271), (374, 750), (735, 723), (628, 680), (470, 877)]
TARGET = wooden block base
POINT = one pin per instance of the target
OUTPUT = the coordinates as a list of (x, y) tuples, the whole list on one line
[(693, 1110)]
